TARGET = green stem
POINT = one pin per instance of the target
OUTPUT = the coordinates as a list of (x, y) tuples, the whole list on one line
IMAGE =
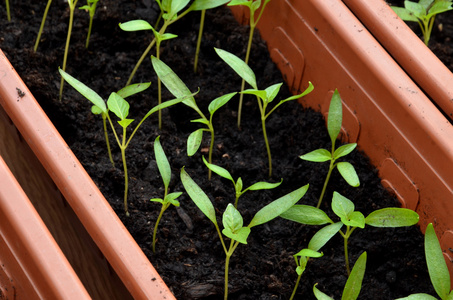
[(89, 31), (159, 85), (200, 34), (211, 147), (247, 56), (269, 157), (331, 167), (158, 19), (107, 140), (126, 179), (227, 263), (8, 13), (295, 287), (42, 24), (164, 207), (346, 256), (68, 38)]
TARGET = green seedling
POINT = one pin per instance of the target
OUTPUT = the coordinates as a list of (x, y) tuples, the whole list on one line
[(238, 184), (232, 220), (346, 169), (171, 12), (437, 268), (344, 209), (177, 87), (200, 34), (264, 97), (91, 9), (253, 6), (316, 243), (120, 107), (424, 12), (353, 285), (165, 172), (8, 13), (43, 21)]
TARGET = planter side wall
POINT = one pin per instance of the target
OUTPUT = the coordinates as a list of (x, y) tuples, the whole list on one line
[(88, 217), (390, 118)]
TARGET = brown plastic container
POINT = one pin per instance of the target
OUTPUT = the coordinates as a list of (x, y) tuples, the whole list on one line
[(405, 135), (103, 255)]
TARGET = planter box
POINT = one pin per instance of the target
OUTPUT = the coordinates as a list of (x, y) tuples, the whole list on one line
[(99, 248), (386, 113), (405, 135)]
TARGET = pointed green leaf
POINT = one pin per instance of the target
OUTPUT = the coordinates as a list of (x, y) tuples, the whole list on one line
[(417, 9), (319, 155), (171, 198), (323, 236), (162, 162), (355, 219), (84, 90), (272, 92), (157, 200), (320, 295), (194, 141), (344, 150), (335, 117), (261, 185), (199, 197), (167, 36), (239, 66), (354, 283), (342, 206), (277, 207), (241, 235), (392, 217), (206, 4), (218, 170), (232, 219), (118, 106), (404, 14), (177, 6), (306, 214), (238, 185), (240, 2), (308, 253), (349, 174), (418, 296), (135, 25), (133, 89), (307, 91), (219, 102), (259, 93), (439, 7), (202, 121), (125, 122), (96, 110)]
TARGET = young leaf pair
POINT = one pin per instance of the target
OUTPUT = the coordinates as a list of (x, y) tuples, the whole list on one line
[(264, 97), (347, 171), (120, 107), (177, 87), (344, 209), (232, 220), (424, 12)]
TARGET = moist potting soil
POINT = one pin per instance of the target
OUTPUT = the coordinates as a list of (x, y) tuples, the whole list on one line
[(189, 255)]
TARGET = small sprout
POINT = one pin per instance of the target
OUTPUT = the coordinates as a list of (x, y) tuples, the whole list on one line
[(437, 269), (165, 172), (43, 21), (232, 220), (264, 97), (424, 12), (8, 13), (91, 8), (344, 209), (253, 6), (347, 171), (353, 285), (238, 184)]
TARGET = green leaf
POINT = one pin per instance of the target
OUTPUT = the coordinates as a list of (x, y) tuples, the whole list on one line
[(261, 185), (437, 268), (219, 102), (320, 295), (277, 207), (238, 185), (392, 217), (349, 174), (241, 235), (319, 155), (417, 9), (171, 198), (206, 4), (323, 236), (404, 14), (162, 162), (259, 93), (177, 6), (294, 97), (218, 170), (439, 7), (232, 219), (167, 36), (272, 92), (306, 214), (125, 122), (202, 121), (118, 106), (342, 206), (355, 219), (197, 195), (419, 296), (135, 25), (157, 200), (133, 89), (344, 150), (239, 66), (84, 90), (354, 283), (163, 105), (300, 270), (194, 141), (335, 117), (240, 2), (96, 110), (308, 253)]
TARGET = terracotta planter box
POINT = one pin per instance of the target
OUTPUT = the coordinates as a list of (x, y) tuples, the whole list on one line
[(386, 113)]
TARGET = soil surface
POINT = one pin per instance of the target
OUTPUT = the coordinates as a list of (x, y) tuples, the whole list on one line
[(189, 255)]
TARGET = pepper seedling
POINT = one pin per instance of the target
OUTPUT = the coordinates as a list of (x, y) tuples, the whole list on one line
[(232, 220), (353, 285), (253, 6), (43, 21), (90, 7), (346, 169), (316, 243), (177, 87), (165, 172), (264, 97), (437, 269), (424, 12), (344, 209), (238, 184), (8, 13), (120, 107)]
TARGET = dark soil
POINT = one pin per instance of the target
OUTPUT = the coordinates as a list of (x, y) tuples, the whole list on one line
[(189, 254)]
